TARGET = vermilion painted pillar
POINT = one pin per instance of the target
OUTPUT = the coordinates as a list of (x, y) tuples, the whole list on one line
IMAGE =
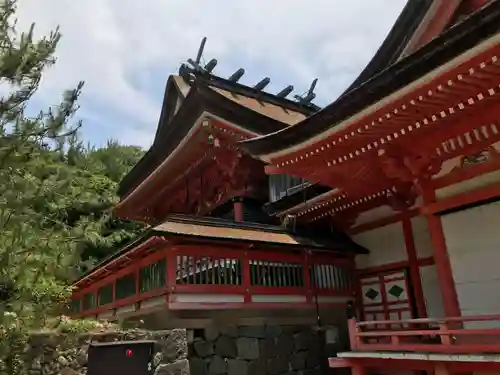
[(441, 369), (359, 370), (238, 209), (441, 259), (443, 267), (414, 267), (476, 4)]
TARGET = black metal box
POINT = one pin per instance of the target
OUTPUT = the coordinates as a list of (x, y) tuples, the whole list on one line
[(121, 358)]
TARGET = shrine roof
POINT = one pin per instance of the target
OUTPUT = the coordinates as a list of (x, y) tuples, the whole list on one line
[(453, 42), (298, 197), (208, 229), (184, 102), (396, 41)]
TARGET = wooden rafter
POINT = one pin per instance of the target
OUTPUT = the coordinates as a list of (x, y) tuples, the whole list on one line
[(432, 100), (412, 137)]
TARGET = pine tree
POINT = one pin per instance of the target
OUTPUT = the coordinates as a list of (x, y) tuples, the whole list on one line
[(37, 248), (55, 194)]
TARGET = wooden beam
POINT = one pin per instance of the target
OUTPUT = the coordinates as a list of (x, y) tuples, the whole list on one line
[(463, 199), (443, 11)]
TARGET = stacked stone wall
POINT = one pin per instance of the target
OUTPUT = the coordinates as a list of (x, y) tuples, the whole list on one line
[(52, 353), (256, 350), (231, 350)]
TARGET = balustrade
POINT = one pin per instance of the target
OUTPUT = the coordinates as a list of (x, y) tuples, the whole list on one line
[(467, 334), (212, 271)]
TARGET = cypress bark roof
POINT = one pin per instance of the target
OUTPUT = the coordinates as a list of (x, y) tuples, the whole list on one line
[(212, 230), (257, 111)]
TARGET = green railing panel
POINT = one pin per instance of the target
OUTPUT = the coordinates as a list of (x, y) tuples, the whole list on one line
[(89, 301), (105, 295), (76, 305), (125, 286), (153, 276), (330, 276), (276, 274)]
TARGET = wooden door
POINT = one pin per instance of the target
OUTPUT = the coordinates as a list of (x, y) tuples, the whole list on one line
[(386, 296)]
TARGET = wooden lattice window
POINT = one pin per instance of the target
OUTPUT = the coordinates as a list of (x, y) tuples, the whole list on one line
[(89, 301), (277, 274), (105, 295), (330, 276), (76, 305), (153, 276), (125, 286), (208, 270)]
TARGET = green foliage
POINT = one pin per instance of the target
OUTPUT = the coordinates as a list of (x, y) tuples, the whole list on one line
[(99, 171), (55, 194), (64, 324), (35, 248)]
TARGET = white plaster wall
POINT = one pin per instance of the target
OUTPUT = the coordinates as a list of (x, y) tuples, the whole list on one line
[(484, 180), (421, 237), (386, 245), (473, 241), (432, 295), (374, 214)]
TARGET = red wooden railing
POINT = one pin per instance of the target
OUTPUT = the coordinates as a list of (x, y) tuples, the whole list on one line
[(443, 335), (204, 270)]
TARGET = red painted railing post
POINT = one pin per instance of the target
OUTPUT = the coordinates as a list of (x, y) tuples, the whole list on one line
[(358, 294), (136, 275), (137, 287), (97, 299), (445, 338), (395, 340), (171, 270), (239, 210), (353, 337), (114, 291), (306, 264), (358, 370), (246, 280)]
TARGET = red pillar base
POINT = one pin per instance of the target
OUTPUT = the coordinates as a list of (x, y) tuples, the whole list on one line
[(238, 210)]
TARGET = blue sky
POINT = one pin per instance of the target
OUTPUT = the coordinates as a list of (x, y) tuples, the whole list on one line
[(124, 50)]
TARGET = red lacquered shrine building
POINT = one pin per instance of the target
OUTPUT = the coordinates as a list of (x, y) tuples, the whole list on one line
[(410, 153), (264, 207), (212, 252)]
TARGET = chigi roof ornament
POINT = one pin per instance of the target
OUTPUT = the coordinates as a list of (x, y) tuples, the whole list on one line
[(307, 97), (209, 67), (191, 68), (285, 92)]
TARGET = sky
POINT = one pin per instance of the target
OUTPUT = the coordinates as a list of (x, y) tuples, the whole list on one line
[(125, 50)]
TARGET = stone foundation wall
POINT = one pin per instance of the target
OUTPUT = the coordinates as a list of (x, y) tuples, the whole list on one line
[(257, 350), (65, 354)]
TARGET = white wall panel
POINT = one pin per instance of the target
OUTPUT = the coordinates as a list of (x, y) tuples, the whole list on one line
[(421, 237), (432, 294), (386, 245), (484, 180), (473, 241)]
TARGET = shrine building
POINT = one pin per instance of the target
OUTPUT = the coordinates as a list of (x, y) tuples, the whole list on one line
[(373, 220), (411, 157)]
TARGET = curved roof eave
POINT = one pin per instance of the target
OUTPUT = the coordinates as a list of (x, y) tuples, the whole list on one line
[(391, 48), (201, 97), (396, 41), (449, 44)]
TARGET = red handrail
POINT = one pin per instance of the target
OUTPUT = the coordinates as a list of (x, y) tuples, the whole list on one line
[(435, 335), (187, 268)]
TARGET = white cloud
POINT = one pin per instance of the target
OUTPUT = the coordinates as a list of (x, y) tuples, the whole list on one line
[(111, 44)]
